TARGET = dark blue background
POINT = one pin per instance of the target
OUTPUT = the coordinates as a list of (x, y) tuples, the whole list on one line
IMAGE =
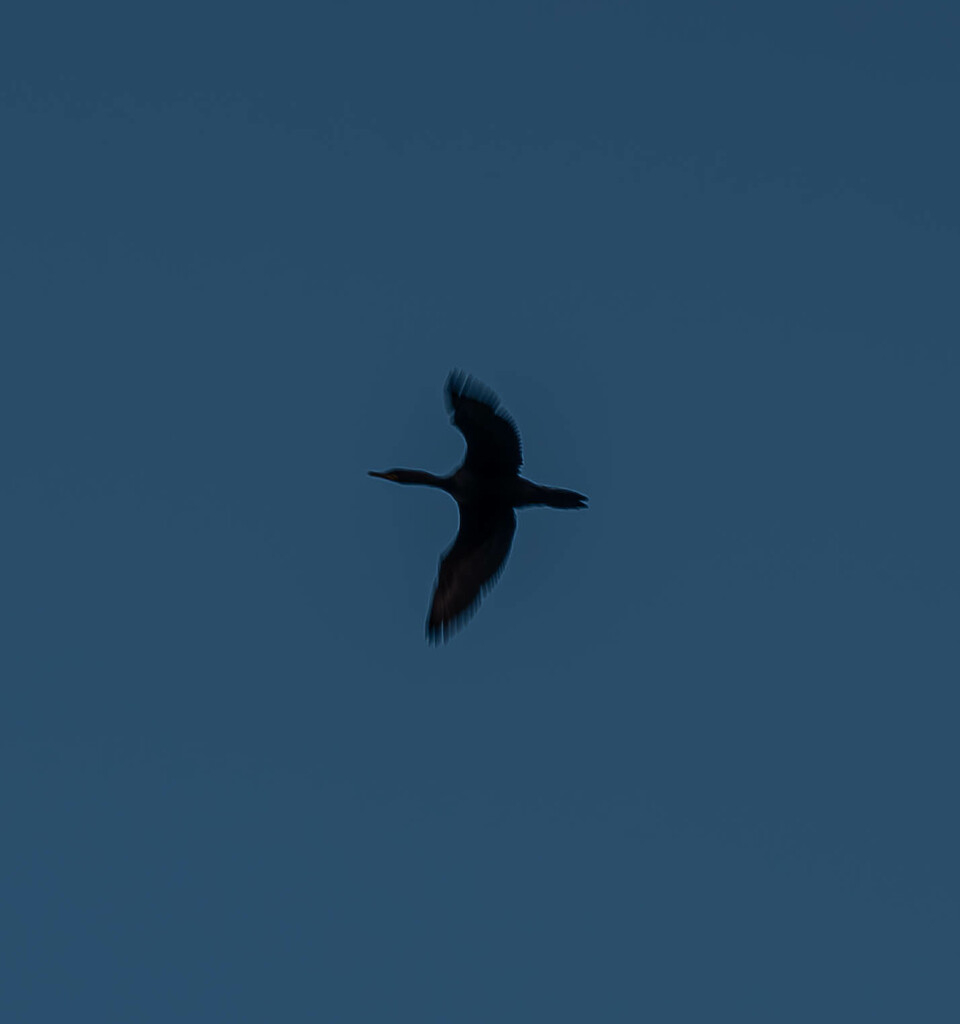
[(696, 758)]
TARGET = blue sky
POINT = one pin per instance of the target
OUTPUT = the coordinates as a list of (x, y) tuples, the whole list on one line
[(695, 758)]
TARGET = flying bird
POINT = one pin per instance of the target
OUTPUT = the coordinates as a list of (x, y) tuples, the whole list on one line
[(487, 488)]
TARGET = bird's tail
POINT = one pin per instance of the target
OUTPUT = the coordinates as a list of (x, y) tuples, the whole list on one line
[(559, 497)]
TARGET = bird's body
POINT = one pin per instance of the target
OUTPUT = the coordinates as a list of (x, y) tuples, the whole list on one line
[(487, 488)]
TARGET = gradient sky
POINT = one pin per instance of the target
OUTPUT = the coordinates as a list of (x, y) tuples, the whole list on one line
[(696, 757)]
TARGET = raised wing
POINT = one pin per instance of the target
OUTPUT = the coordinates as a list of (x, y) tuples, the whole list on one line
[(470, 568), (493, 444)]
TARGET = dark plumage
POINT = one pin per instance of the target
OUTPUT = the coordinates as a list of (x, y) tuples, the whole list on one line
[(487, 488)]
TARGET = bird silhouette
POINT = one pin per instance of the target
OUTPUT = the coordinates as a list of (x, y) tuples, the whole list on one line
[(487, 488)]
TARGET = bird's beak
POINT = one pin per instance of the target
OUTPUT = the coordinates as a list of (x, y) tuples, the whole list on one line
[(383, 476)]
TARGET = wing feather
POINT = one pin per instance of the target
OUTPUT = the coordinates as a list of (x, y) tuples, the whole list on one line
[(469, 568), (493, 442)]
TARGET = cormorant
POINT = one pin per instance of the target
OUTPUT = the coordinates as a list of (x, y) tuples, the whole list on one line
[(487, 488)]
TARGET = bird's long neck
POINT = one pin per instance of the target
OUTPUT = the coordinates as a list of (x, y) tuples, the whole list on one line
[(419, 476)]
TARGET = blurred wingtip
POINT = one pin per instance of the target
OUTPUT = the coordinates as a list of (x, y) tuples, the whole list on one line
[(461, 384)]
